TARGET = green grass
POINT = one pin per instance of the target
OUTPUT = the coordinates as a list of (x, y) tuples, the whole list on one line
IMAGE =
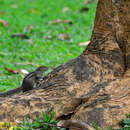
[(40, 13)]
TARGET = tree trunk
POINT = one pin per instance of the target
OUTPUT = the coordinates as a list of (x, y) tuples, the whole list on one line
[(94, 87)]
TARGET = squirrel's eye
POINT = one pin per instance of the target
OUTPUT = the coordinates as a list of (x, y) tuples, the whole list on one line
[(37, 77)]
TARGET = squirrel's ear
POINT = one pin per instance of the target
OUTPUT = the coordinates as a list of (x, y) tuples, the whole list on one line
[(43, 68)]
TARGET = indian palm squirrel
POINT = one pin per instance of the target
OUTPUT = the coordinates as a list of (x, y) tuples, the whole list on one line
[(29, 81)]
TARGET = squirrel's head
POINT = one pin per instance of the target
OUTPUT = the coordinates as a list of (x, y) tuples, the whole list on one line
[(42, 68)]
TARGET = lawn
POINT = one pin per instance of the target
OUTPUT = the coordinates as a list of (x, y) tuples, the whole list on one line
[(34, 18)]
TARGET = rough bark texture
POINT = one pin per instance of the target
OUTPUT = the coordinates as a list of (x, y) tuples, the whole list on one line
[(94, 87)]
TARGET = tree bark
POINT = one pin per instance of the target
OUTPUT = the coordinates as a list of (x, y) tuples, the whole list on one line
[(94, 87)]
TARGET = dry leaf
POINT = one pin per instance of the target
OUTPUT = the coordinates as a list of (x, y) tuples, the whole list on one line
[(58, 21), (6, 24), (34, 11), (28, 63), (30, 41), (88, 1), (49, 37), (84, 43), (12, 71), (83, 9), (14, 6), (66, 10), (23, 71), (2, 13), (63, 37), (29, 29), (68, 22), (70, 54), (23, 36)]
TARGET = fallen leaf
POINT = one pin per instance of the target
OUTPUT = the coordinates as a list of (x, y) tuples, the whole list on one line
[(2, 13), (66, 10), (58, 21), (23, 36), (29, 29), (23, 71), (6, 24), (34, 11), (84, 43), (83, 9), (12, 71), (30, 41), (63, 37), (68, 22), (48, 37), (28, 63), (14, 6), (70, 54), (88, 1)]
